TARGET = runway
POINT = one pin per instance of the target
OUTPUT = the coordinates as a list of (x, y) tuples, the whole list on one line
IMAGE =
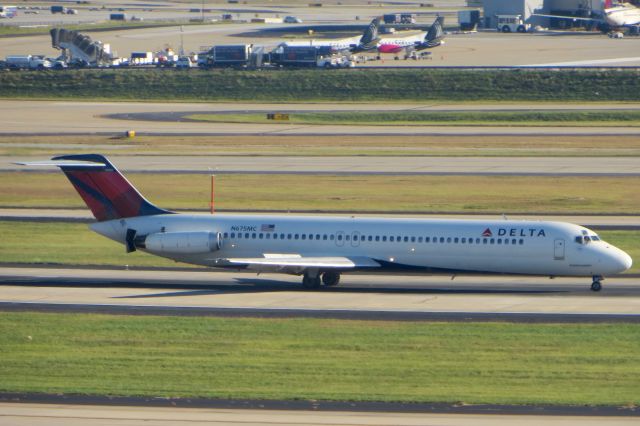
[(359, 296), (21, 414), (374, 165), (74, 117)]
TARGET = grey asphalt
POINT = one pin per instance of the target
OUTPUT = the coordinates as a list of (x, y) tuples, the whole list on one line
[(360, 296), (377, 165), (76, 117)]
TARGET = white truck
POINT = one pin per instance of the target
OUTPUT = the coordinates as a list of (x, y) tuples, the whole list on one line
[(27, 62), (512, 24)]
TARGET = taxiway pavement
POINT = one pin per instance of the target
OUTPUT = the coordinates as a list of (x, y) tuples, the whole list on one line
[(374, 165), (73, 117), (23, 414), (359, 296)]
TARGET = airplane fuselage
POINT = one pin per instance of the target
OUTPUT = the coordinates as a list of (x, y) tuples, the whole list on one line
[(423, 245)]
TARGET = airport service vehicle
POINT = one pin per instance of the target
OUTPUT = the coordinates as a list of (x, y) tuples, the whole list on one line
[(58, 9), (322, 248), (230, 55), (8, 11), (432, 38), (512, 24), (184, 62), (292, 20), (27, 62)]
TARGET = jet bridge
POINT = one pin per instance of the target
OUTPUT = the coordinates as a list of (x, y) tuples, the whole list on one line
[(80, 48)]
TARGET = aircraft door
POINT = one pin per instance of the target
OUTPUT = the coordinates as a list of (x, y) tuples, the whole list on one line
[(558, 249), (355, 239), (340, 238)]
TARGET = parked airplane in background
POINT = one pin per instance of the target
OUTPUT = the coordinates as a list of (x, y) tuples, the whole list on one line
[(321, 248), (618, 16), (426, 40), (368, 38)]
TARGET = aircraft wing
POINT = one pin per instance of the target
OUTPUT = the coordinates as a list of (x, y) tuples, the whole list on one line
[(296, 263), (573, 18)]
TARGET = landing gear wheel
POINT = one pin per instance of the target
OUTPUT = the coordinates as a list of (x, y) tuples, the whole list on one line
[(310, 282), (596, 286), (330, 279)]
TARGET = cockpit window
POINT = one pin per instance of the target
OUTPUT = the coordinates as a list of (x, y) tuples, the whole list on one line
[(595, 238), (579, 239)]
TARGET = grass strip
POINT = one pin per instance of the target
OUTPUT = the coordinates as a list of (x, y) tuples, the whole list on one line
[(76, 244), (321, 85), (467, 194), (369, 145), (462, 118), (471, 363)]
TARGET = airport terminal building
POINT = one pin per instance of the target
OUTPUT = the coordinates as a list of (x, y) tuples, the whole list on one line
[(525, 8)]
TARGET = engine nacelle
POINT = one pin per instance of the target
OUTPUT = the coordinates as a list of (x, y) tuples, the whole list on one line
[(181, 242)]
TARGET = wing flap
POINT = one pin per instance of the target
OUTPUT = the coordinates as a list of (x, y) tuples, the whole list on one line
[(297, 261)]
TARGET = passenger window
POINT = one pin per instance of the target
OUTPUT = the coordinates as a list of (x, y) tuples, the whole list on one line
[(499, 240), (268, 236), (233, 235), (339, 237), (521, 241), (260, 235), (304, 236), (426, 239), (514, 241), (455, 240), (253, 235), (226, 235), (347, 237), (288, 236), (484, 241), (317, 236), (370, 238), (239, 235), (324, 237), (419, 239), (449, 239), (406, 239), (377, 238), (391, 239), (506, 241), (384, 238), (275, 236), (296, 236), (413, 239), (442, 239), (246, 235), (331, 237), (464, 240)]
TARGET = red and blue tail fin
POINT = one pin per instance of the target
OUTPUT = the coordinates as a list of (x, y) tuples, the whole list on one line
[(104, 189)]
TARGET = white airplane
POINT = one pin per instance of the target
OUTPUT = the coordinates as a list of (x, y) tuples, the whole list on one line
[(620, 15), (322, 248), (367, 39), (8, 11), (425, 40)]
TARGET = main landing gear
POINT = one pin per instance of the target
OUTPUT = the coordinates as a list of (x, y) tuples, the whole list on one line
[(313, 281), (596, 285)]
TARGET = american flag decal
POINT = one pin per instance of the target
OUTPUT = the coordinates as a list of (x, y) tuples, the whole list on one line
[(267, 228)]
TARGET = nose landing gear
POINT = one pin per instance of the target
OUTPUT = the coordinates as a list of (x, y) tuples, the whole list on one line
[(596, 285)]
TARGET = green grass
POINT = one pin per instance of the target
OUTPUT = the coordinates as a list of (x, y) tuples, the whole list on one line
[(320, 85), (67, 244), (467, 194), (463, 118), (321, 359), (76, 244)]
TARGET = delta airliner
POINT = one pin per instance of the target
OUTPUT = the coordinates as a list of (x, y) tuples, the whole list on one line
[(321, 248)]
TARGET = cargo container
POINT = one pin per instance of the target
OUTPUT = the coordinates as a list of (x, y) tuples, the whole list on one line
[(118, 17), (230, 55), (58, 9)]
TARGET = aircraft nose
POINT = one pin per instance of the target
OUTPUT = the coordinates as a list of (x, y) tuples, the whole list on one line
[(620, 260)]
